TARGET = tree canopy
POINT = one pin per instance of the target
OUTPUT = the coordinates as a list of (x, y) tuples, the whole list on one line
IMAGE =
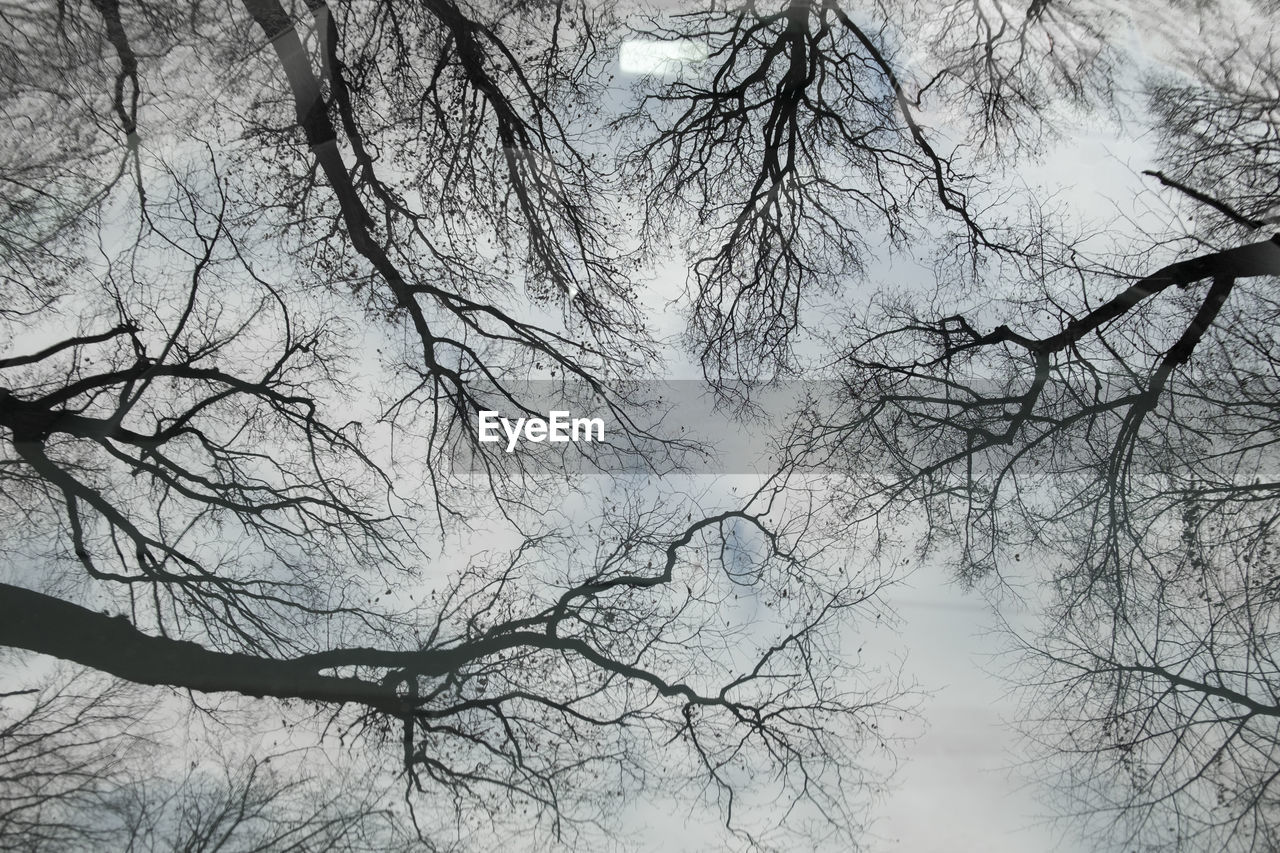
[(265, 264)]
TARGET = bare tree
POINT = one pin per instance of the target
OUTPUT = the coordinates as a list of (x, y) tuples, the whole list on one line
[(786, 156), (1163, 728), (251, 807), (489, 126), (814, 133), (1218, 133), (1011, 74), (1110, 425), (215, 491), (217, 487), (536, 678), (80, 772), (60, 756)]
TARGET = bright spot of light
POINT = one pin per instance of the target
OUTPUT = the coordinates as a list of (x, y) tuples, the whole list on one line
[(641, 56)]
